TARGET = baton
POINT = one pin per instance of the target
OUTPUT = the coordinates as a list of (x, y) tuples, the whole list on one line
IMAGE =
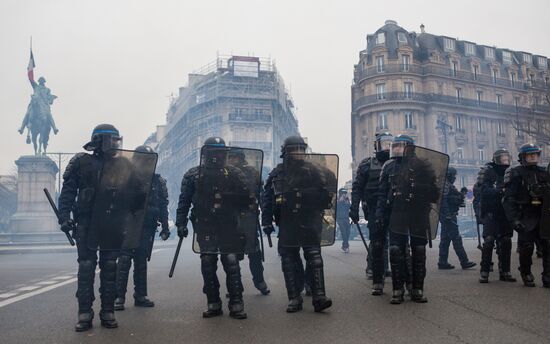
[(175, 258), (56, 211), (269, 241), (261, 243), (478, 237), (362, 237)]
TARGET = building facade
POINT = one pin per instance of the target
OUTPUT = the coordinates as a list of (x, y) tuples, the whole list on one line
[(451, 95), (241, 99)]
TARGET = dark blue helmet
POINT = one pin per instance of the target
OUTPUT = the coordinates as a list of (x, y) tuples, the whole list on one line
[(214, 141), (380, 139), (528, 148), (144, 149), (403, 139), (293, 142), (104, 137)]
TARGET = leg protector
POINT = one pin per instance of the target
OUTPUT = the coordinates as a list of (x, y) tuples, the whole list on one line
[(397, 262), (487, 253), (107, 292), (419, 273), (505, 253), (211, 286), (124, 264), (85, 289), (293, 273)]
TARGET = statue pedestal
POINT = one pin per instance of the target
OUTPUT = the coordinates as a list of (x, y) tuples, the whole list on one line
[(34, 219)]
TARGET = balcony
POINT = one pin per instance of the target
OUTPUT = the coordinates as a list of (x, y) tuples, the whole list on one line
[(443, 99), (444, 71), (254, 118)]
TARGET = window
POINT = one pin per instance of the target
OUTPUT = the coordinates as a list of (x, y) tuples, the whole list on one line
[(499, 100), (516, 102), (507, 57), (480, 125), (455, 68), (479, 97), (495, 75), (542, 63), (409, 122), (406, 59), (380, 64), (381, 91), (407, 90), (383, 120), (458, 94), (476, 71), (500, 128), (489, 53), (481, 154), (463, 184), (460, 153), (449, 44), (402, 37), (470, 49), (532, 78), (519, 129), (458, 122), (381, 38), (513, 78), (527, 58)]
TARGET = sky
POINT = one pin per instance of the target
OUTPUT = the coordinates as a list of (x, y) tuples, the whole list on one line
[(118, 61)]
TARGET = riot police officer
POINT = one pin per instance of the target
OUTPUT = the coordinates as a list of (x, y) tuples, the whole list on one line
[(238, 159), (209, 259), (525, 203), (452, 201), (495, 226), (342, 210), (272, 210), (157, 213), (81, 179), (365, 191), (408, 189)]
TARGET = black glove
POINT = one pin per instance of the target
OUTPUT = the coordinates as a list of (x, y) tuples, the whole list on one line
[(354, 215), (67, 226), (518, 226), (164, 234), (268, 230), (183, 232)]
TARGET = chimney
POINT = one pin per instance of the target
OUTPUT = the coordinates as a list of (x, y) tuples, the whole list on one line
[(422, 28)]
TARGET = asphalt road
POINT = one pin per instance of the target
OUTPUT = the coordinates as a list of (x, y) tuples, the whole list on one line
[(37, 305)]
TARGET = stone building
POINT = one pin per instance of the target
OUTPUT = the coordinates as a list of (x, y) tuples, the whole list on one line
[(242, 99), (451, 95)]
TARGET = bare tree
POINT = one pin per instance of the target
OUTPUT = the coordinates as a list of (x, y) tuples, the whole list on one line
[(534, 123)]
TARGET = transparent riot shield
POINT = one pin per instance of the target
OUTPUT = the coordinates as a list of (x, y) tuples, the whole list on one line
[(226, 211), (120, 201), (308, 200), (545, 217), (417, 184)]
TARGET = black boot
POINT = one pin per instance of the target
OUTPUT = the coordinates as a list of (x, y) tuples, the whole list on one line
[(124, 264), (528, 279), (214, 308), (468, 265), (295, 305), (84, 321), (140, 283), (397, 297), (107, 292), (234, 285), (445, 266), (293, 286), (484, 277), (262, 287), (419, 274), (85, 294), (314, 263)]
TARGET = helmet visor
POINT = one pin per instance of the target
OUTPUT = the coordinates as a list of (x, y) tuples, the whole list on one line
[(503, 158)]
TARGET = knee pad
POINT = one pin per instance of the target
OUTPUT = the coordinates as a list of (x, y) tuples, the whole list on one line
[(108, 265), (209, 259), (230, 259), (419, 250), (124, 261), (395, 251), (489, 239), (86, 265)]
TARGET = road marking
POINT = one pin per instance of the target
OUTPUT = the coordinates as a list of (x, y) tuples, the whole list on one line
[(46, 282), (157, 250), (33, 293), (29, 288), (6, 295), (61, 277)]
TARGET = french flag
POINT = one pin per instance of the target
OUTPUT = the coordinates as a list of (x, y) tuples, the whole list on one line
[(30, 68)]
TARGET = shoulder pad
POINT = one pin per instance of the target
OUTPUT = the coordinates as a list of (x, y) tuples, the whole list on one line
[(192, 172), (274, 172), (73, 164)]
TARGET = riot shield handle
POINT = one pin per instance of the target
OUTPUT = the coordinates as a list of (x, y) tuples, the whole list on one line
[(175, 258), (362, 237), (56, 211)]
